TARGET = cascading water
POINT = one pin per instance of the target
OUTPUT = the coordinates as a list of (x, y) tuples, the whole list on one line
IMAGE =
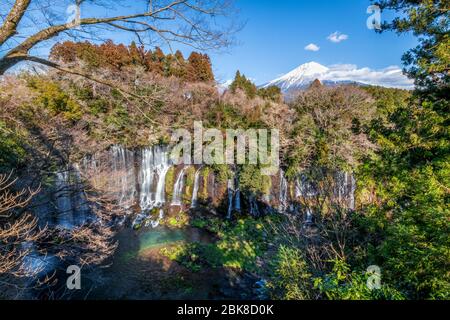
[(163, 164), (81, 205), (309, 215), (254, 209), (123, 165), (147, 174), (298, 188), (150, 174), (64, 206), (352, 192), (71, 203), (154, 223), (196, 187), (154, 167), (237, 197), (345, 188), (178, 188), (230, 191), (283, 198)]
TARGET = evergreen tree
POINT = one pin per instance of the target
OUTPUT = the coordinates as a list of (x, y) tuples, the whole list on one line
[(241, 82), (412, 169)]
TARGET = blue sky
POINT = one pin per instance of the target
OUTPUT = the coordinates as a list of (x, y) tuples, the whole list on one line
[(276, 33)]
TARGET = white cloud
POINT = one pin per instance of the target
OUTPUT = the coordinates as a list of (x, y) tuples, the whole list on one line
[(337, 37), (388, 77), (336, 74), (312, 47)]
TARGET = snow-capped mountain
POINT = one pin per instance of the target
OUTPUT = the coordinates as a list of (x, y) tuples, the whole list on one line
[(300, 77), (304, 75)]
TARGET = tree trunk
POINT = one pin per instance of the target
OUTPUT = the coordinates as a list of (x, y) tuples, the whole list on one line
[(8, 62)]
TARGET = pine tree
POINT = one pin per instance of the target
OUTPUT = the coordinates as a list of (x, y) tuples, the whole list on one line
[(414, 160)]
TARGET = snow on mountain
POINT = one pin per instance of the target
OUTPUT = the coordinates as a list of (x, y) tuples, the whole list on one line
[(304, 75), (299, 77)]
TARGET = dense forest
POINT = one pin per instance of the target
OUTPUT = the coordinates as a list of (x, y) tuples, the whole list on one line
[(377, 160)]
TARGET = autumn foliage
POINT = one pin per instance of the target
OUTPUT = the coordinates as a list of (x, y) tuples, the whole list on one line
[(117, 57)]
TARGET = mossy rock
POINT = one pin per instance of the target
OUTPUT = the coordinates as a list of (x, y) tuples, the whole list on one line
[(178, 221), (203, 192), (170, 181)]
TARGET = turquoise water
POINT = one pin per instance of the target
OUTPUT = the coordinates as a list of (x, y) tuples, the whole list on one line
[(138, 270), (160, 237)]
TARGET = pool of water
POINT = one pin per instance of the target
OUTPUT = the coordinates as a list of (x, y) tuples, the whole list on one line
[(138, 271), (163, 236), (141, 244)]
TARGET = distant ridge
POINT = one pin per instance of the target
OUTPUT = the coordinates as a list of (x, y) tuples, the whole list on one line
[(304, 75)]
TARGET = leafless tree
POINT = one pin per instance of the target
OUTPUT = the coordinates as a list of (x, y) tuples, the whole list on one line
[(18, 231), (329, 232), (29, 24)]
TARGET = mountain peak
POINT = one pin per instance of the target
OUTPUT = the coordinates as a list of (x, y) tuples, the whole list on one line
[(343, 74), (302, 75), (307, 69)]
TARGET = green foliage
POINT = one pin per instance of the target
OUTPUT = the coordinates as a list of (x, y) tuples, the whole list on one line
[(409, 174), (170, 182), (290, 278), (184, 255), (238, 246), (178, 221), (252, 181), (429, 20), (222, 172), (241, 82), (222, 115), (12, 153), (203, 195), (98, 106), (211, 224), (329, 123), (53, 98), (189, 185), (272, 93), (342, 284)]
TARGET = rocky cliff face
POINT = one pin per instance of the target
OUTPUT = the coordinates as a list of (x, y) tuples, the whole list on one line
[(146, 184)]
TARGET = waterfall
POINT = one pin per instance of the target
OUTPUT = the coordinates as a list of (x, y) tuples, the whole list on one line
[(147, 174), (254, 209), (178, 188), (154, 167), (155, 223), (196, 187), (71, 203), (340, 185), (65, 217), (309, 215), (230, 190), (237, 193), (123, 165), (237, 203), (283, 198), (345, 188), (80, 202), (298, 188), (352, 192)]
